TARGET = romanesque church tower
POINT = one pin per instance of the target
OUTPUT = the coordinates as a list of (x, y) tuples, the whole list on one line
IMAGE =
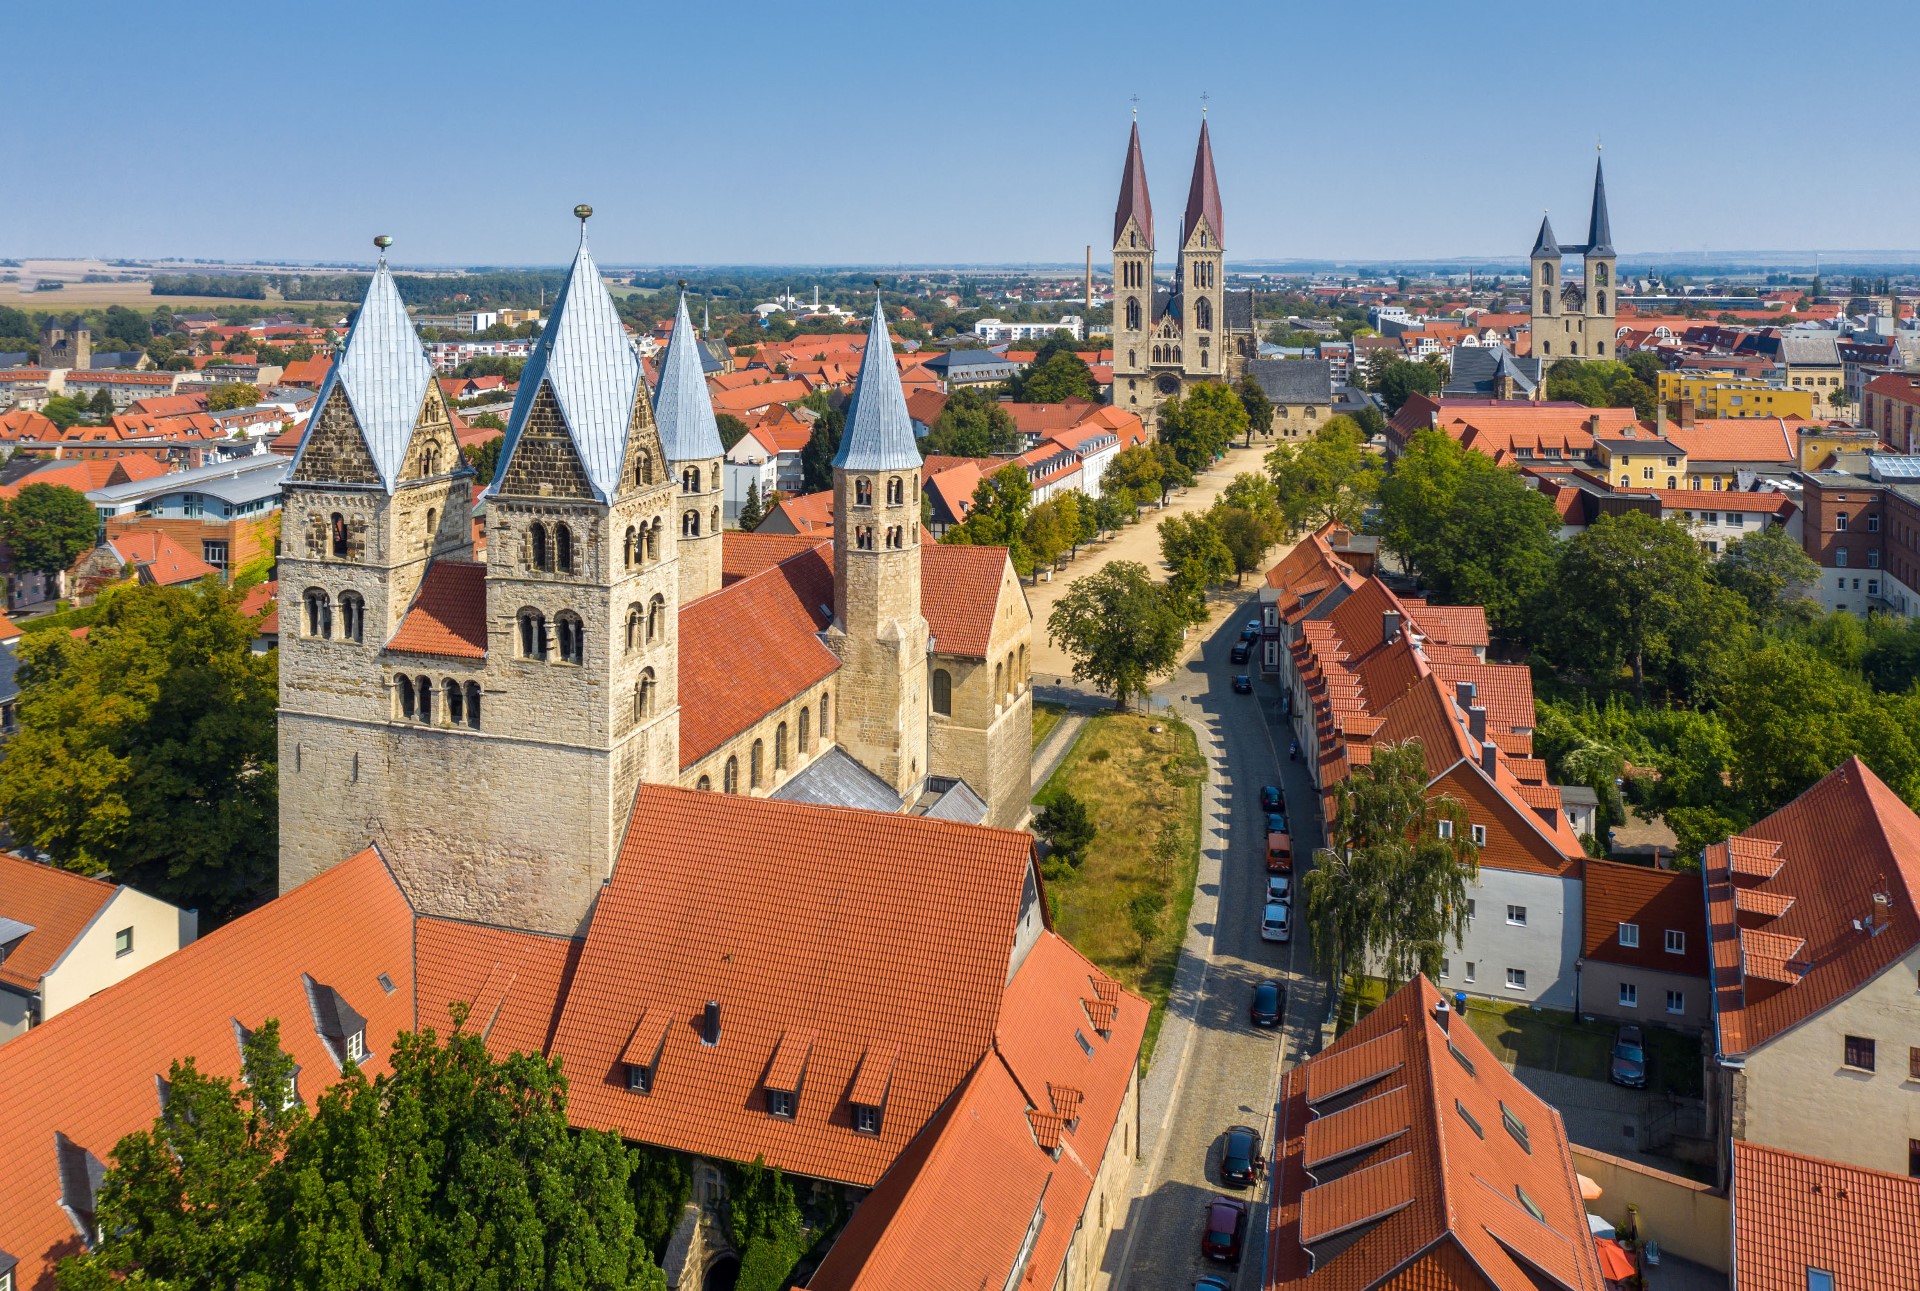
[(1575, 317), (691, 438), (1133, 290), (878, 630), (1202, 269)]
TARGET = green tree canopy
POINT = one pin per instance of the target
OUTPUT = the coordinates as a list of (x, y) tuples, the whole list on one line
[(972, 425), (752, 511), (999, 517), (148, 751), (232, 394), (816, 459), (1396, 379), (1057, 377), (1772, 573), (1331, 477), (1198, 425), (1198, 557), (1120, 627), (47, 526), (1069, 828), (1603, 383), (1134, 475), (1259, 408), (732, 429)]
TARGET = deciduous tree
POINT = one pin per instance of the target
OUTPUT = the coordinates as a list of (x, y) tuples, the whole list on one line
[(1200, 424), (1331, 477), (232, 394), (1773, 574), (1198, 558), (1120, 627), (972, 425), (47, 526)]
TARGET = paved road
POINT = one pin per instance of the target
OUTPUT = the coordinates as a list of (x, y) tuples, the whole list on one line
[(1212, 1068)]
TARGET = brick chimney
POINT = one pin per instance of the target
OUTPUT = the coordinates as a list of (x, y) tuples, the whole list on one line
[(1593, 424), (1685, 415)]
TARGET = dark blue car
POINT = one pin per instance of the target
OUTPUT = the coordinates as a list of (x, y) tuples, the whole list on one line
[(1272, 799), (1269, 1001)]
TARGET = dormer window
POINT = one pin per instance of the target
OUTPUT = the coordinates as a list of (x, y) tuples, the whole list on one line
[(336, 1022), (780, 1103), (640, 1079), (787, 1072), (866, 1120)]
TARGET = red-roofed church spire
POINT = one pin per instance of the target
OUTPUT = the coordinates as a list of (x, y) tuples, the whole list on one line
[(1134, 202), (1203, 194)]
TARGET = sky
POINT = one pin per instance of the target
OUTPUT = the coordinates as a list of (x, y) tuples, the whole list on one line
[(750, 133)]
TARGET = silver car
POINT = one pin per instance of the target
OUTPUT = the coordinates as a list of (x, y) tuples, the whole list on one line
[(1277, 924), (1279, 889)]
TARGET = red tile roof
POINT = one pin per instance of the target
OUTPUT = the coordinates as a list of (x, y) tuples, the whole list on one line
[(745, 554), (808, 512), (262, 602), (159, 558), (58, 903), (960, 595), (953, 487), (21, 424), (752, 647), (1739, 439), (1836, 848), (1423, 1196), (449, 613), (512, 982), (1654, 901), (1792, 1213), (880, 929), (343, 928)]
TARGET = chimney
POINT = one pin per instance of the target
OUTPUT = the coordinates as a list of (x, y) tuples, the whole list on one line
[(1442, 1013), (710, 1024), (1685, 415), (1593, 424), (1389, 626), (1489, 756), (1477, 723), (1660, 418), (1463, 692)]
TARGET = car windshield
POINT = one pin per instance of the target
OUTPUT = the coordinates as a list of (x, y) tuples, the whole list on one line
[(1266, 995), (1628, 1050)]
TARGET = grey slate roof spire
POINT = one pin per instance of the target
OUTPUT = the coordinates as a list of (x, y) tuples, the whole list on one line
[(879, 434), (1599, 230), (384, 372), (1544, 245), (681, 405), (583, 353)]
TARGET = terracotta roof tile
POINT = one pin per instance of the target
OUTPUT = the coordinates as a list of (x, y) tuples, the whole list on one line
[(876, 1074), (960, 590), (809, 513), (745, 554), (58, 903), (159, 557), (1792, 1213), (448, 616), (512, 981), (1654, 901)]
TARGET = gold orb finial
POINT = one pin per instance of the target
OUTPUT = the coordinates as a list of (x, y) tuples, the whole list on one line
[(383, 241), (583, 212)]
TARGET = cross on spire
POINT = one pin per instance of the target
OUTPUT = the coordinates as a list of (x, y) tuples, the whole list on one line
[(1135, 100), (1204, 96)]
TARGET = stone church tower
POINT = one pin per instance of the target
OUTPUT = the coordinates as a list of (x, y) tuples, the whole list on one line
[(486, 724), (691, 438), (1575, 317), (878, 630)]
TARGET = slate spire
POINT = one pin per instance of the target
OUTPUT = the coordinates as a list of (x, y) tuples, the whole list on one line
[(1599, 230), (682, 407), (1203, 194), (879, 434), (1134, 202), (1544, 245)]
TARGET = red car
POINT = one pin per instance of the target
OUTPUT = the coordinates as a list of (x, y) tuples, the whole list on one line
[(1226, 1234)]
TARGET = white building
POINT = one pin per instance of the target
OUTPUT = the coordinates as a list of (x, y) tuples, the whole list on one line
[(994, 330)]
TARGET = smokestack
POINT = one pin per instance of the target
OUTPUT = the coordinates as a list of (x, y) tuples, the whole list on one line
[(710, 1024), (1389, 626), (1089, 280), (1463, 692), (1477, 723), (1489, 756), (1593, 424)]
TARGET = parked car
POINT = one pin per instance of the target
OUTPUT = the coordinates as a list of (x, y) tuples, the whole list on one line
[(1241, 1161), (1273, 798), (1241, 652), (1226, 1234), (1276, 924), (1250, 631), (1279, 854), (1276, 823), (1269, 1002), (1243, 685), (1280, 888), (1629, 1066)]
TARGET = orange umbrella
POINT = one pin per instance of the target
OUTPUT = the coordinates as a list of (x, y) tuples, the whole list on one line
[(1589, 1190), (1615, 1264)]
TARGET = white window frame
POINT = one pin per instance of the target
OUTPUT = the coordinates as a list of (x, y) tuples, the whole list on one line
[(1445, 828), (1479, 835), (1517, 915), (1629, 995), (356, 1046), (1676, 1002), (1471, 965), (1516, 979), (1676, 942), (1630, 935)]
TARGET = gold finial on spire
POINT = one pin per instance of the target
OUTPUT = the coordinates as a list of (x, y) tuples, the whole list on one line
[(1135, 100), (383, 242), (583, 212)]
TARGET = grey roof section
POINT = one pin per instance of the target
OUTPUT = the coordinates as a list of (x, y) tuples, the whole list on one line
[(1544, 245), (1799, 349), (245, 479), (834, 779), (12, 930), (713, 355), (1599, 228), (1239, 311), (879, 435), (1294, 380), (1477, 370), (959, 803), (105, 359), (681, 405), (13, 358), (385, 371), (1350, 399), (971, 362), (584, 354)]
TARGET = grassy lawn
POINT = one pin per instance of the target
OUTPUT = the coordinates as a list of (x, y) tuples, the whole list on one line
[(1045, 718), (1126, 908)]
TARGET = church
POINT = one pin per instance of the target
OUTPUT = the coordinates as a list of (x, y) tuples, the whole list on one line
[(1167, 339), (488, 720), (1574, 316)]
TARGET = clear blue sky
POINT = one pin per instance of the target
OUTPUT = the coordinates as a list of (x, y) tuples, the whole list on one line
[(788, 133)]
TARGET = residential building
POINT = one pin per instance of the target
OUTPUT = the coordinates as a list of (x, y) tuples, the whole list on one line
[(1862, 527), (994, 330), (971, 368), (1815, 952), (121, 387), (1492, 372), (150, 558), (1888, 405), (65, 937), (221, 514), (1810, 361), (1645, 947), (1301, 391), (1575, 317), (1406, 1155), (1803, 1224), (1727, 395)]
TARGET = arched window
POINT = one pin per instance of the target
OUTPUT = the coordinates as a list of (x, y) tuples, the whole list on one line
[(643, 693), (690, 525), (563, 548), (896, 537), (652, 535), (403, 686), (634, 621), (456, 702), (1024, 674), (1601, 296), (1671, 482), (943, 692), (629, 552), (533, 634), (826, 717), (542, 554), (704, 784), (780, 747), (433, 527), (863, 537), (690, 480), (656, 617), (1133, 358), (423, 690), (863, 492), (713, 520), (319, 614), (1013, 678), (1600, 275), (642, 467), (806, 731), (1133, 313), (353, 617), (1546, 302), (429, 461), (572, 634), (1546, 274), (896, 491), (730, 778), (473, 704), (337, 526), (999, 681), (754, 759), (1203, 314)]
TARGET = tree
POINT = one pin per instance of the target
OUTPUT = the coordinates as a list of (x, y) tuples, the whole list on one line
[(148, 751), (452, 1169), (1259, 408), (1134, 476), (1330, 477), (63, 411), (766, 1223), (999, 517), (971, 425), (1061, 376), (1112, 509), (732, 429), (1068, 827), (101, 405), (1119, 626), (1396, 380), (1198, 425), (47, 526), (1198, 557), (1247, 535), (751, 512), (1389, 888), (484, 457), (1772, 573), (1048, 532), (816, 459), (232, 394)]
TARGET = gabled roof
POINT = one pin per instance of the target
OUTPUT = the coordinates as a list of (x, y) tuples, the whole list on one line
[(1792, 1213), (512, 982), (1403, 1171), (1203, 193), (1654, 901), (584, 354), (879, 434), (448, 616), (960, 589), (744, 554), (1599, 229), (682, 409), (882, 929), (1134, 204), (385, 373), (835, 779), (157, 558), (1834, 849), (56, 904)]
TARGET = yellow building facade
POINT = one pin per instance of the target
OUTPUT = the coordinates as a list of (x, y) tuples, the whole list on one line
[(1723, 394)]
